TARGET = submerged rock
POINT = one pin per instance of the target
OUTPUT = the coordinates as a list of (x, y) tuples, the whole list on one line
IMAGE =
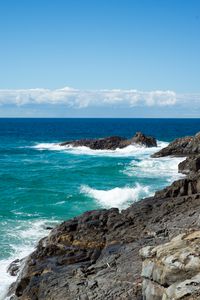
[(113, 142)]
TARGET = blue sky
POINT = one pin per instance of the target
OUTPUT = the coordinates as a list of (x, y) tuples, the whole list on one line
[(96, 58)]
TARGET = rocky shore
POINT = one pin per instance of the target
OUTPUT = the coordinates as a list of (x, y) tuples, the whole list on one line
[(149, 251)]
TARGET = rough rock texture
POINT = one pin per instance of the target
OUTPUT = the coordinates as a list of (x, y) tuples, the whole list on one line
[(190, 165), (172, 271), (181, 147), (183, 187), (113, 142), (96, 255)]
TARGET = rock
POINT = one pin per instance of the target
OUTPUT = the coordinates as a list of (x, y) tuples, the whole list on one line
[(143, 140), (183, 187), (190, 165), (172, 271), (14, 267), (96, 255), (113, 142), (185, 146)]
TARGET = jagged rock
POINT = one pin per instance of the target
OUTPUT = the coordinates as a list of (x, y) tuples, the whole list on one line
[(113, 142), (189, 165), (14, 267), (172, 271), (183, 187), (181, 147), (96, 255)]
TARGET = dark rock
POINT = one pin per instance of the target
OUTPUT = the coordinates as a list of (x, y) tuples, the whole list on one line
[(190, 165), (185, 146), (143, 140), (49, 228), (14, 267), (113, 142), (86, 256), (96, 255)]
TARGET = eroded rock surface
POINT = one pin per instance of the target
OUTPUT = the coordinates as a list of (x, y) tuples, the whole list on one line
[(185, 146), (172, 271), (96, 255), (113, 142)]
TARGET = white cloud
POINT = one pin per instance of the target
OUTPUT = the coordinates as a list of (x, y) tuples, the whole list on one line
[(85, 98)]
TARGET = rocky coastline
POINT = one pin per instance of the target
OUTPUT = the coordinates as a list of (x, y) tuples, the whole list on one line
[(148, 251)]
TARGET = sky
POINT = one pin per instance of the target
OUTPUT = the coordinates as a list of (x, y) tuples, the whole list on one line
[(100, 58)]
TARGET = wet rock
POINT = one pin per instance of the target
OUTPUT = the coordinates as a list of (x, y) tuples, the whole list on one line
[(14, 267), (113, 142), (185, 146), (190, 165)]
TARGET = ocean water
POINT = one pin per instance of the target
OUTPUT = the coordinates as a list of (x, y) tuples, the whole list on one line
[(42, 184)]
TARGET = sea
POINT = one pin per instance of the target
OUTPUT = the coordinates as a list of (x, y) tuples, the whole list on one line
[(42, 183)]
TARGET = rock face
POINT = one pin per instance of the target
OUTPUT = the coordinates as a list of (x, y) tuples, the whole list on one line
[(183, 187), (95, 256), (172, 271), (190, 165), (113, 142), (181, 147)]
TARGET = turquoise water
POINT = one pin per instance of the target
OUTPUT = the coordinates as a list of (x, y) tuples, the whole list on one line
[(42, 183)]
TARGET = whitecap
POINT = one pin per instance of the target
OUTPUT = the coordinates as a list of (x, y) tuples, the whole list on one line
[(163, 167), (116, 197), (130, 150)]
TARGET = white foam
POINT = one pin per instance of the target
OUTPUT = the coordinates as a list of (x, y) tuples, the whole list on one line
[(27, 233), (47, 146), (117, 197), (165, 168), (130, 150)]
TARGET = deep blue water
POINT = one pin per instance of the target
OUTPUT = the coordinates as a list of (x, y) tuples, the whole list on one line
[(42, 184)]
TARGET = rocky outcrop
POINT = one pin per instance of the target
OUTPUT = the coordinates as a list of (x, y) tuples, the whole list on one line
[(186, 146), (183, 187), (96, 255), (190, 165), (113, 142), (172, 271)]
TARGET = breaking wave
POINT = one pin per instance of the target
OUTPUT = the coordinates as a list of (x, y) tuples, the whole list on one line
[(117, 197)]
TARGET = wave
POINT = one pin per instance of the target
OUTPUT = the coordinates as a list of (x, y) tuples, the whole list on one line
[(163, 167), (117, 197), (130, 150), (27, 233)]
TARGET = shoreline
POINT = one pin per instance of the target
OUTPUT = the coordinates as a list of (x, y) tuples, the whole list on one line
[(98, 244)]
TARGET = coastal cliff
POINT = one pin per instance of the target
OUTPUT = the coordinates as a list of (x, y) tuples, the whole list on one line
[(98, 255)]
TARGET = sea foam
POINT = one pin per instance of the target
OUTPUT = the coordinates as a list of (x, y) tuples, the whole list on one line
[(130, 150), (116, 197), (28, 233), (164, 167)]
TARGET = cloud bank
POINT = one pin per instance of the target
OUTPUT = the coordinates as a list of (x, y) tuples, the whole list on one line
[(85, 98)]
